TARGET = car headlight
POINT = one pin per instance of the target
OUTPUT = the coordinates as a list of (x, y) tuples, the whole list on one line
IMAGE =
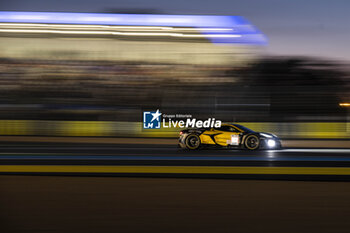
[(271, 143), (265, 135)]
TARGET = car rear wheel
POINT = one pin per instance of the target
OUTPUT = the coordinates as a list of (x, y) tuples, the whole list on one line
[(252, 142), (193, 142)]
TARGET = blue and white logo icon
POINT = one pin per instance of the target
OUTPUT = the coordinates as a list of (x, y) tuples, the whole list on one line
[(151, 120)]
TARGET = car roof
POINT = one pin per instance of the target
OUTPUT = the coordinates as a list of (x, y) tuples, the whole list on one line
[(233, 125), (225, 124)]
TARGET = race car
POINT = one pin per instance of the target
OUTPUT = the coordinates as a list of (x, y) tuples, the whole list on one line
[(228, 136)]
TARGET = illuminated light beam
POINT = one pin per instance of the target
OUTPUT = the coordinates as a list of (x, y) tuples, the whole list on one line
[(107, 26), (121, 33), (175, 170), (54, 31), (213, 35), (86, 27), (122, 19), (83, 32), (176, 34), (207, 24), (145, 34), (25, 24), (51, 25), (344, 104), (202, 29), (81, 25)]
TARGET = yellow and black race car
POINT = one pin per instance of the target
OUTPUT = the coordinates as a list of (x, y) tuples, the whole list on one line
[(229, 136)]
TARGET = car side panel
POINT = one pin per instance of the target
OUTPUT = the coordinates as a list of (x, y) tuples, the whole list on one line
[(227, 138), (217, 137), (206, 138), (222, 138)]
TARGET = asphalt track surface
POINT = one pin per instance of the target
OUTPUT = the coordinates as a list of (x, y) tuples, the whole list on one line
[(51, 187), (168, 161), (60, 204)]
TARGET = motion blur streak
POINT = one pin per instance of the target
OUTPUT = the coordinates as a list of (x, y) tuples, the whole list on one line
[(175, 169), (114, 33), (76, 90), (311, 130), (26, 25), (80, 74), (344, 104)]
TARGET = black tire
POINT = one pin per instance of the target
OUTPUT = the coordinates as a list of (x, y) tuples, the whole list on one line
[(252, 142), (193, 142)]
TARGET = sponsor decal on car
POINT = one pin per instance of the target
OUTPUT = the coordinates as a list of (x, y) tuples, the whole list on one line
[(234, 140)]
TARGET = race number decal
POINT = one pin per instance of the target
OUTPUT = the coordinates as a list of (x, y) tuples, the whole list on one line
[(234, 140)]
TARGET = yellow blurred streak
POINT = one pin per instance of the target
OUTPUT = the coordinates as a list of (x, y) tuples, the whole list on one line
[(85, 128), (344, 104), (15, 127), (177, 169)]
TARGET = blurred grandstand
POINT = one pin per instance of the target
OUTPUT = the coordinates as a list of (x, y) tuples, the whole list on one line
[(93, 68)]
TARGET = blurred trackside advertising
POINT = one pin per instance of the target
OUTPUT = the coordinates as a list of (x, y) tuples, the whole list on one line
[(286, 130), (157, 120)]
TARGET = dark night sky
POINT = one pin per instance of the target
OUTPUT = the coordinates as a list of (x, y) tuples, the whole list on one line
[(294, 27)]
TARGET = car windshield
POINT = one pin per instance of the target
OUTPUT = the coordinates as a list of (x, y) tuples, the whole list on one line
[(245, 129)]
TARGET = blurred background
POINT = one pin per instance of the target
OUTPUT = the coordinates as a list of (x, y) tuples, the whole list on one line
[(80, 74), (76, 76)]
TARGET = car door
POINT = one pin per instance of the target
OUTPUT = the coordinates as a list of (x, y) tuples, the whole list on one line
[(227, 135)]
